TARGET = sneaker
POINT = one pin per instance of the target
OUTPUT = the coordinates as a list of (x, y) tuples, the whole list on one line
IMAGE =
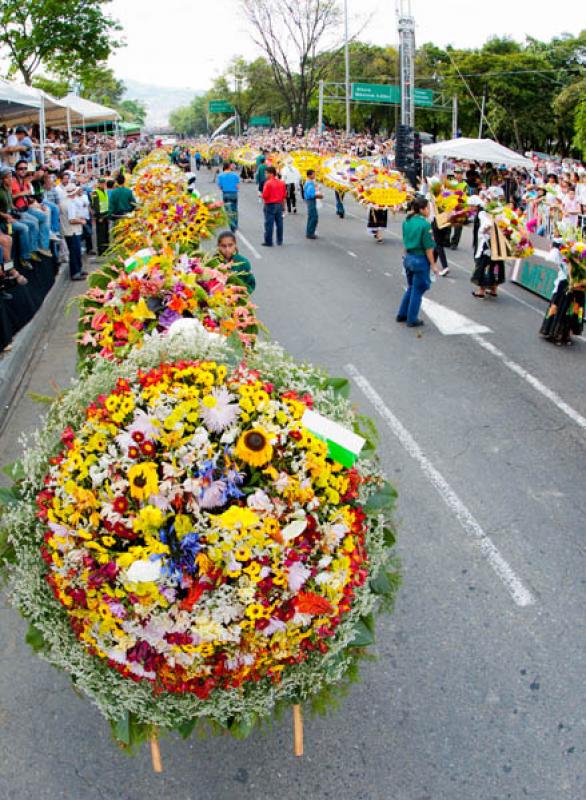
[(417, 324), (400, 319), (78, 277), (311, 237), (46, 253), (54, 237), (26, 265), (444, 272), (266, 244), (35, 256)]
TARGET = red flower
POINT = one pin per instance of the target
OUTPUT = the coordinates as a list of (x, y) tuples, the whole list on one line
[(120, 505)]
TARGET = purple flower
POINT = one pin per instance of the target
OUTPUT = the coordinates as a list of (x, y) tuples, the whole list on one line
[(167, 317)]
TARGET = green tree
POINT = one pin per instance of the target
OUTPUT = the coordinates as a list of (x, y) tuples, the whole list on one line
[(132, 111), (580, 128), (60, 35)]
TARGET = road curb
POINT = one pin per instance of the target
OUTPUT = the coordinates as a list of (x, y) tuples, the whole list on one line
[(14, 364)]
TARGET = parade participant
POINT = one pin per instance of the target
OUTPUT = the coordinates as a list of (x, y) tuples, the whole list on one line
[(273, 194), (340, 210), (488, 272), (377, 222), (291, 178), (458, 184), (565, 314), (229, 254), (311, 196), (261, 173), (418, 260), (229, 183)]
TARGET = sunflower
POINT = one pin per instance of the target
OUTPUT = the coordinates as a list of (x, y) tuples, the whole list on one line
[(253, 447), (143, 480)]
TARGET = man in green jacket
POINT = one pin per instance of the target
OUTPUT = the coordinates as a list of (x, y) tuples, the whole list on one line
[(122, 200)]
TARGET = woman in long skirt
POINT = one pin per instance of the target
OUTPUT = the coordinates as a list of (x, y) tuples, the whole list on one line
[(488, 273), (377, 222), (565, 314)]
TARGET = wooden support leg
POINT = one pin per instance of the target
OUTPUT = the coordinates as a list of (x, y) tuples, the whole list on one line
[(156, 752), (297, 730)]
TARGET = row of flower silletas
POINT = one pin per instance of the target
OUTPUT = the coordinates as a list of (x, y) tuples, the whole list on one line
[(186, 548)]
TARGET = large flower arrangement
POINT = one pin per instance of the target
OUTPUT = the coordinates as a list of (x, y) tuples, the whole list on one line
[(451, 204), (183, 222), (203, 557), (343, 173), (304, 160), (121, 307), (574, 252), (384, 189), (246, 156), (513, 228)]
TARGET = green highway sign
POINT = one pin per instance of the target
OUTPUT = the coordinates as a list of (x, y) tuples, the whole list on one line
[(376, 93), (423, 98), (387, 93), (220, 107), (260, 122)]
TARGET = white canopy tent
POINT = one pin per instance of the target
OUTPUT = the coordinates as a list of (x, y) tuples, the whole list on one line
[(90, 111), (477, 150)]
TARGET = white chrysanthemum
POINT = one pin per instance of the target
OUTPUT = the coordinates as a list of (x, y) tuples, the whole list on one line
[(223, 413)]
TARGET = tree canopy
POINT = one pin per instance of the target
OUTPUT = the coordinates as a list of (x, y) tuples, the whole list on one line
[(64, 36)]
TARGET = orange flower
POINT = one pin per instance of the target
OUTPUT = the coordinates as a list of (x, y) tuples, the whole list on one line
[(311, 603)]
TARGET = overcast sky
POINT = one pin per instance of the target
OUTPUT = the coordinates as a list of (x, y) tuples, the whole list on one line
[(189, 42)]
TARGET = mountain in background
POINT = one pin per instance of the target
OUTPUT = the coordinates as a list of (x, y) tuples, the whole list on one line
[(158, 100)]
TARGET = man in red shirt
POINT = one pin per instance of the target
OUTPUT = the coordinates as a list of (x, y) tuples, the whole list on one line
[(273, 194)]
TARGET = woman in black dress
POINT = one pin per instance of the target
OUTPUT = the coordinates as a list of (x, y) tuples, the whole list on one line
[(565, 314)]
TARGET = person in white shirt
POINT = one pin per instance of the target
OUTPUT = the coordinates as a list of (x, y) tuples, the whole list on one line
[(72, 221), (291, 177)]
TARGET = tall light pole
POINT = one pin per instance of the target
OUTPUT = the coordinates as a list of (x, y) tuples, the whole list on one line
[(347, 66)]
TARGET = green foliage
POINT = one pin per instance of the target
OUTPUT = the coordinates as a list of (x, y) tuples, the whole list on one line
[(580, 128), (34, 638), (132, 111), (62, 35)]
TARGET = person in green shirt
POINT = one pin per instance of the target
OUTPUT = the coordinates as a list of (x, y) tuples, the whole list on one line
[(418, 260), (121, 200), (228, 253)]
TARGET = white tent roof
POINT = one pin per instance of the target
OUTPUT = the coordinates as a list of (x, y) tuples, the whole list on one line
[(477, 150), (20, 104), (90, 111)]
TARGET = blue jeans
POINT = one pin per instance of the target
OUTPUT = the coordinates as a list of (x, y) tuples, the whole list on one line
[(20, 231), (55, 221), (273, 217), (418, 282), (339, 204), (312, 217), (41, 226), (75, 258), (231, 206)]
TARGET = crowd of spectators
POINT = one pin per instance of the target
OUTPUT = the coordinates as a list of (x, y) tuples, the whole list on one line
[(55, 211)]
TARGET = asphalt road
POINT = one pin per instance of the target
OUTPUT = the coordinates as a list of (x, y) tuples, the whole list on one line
[(478, 690)]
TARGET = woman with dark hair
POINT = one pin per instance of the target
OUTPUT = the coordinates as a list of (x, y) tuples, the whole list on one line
[(418, 260)]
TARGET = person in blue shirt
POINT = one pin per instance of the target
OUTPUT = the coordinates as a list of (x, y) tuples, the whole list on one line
[(311, 196), (229, 183)]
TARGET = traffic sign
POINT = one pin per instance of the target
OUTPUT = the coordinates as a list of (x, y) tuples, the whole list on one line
[(220, 107), (260, 122), (388, 93)]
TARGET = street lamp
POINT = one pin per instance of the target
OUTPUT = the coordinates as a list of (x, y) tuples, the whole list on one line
[(237, 85)]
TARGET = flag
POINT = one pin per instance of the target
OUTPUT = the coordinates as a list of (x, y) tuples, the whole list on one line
[(344, 445), (138, 259)]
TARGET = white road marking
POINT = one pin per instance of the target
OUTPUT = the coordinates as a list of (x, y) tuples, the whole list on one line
[(251, 247), (520, 594), (450, 322), (388, 274), (574, 415), (350, 253)]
